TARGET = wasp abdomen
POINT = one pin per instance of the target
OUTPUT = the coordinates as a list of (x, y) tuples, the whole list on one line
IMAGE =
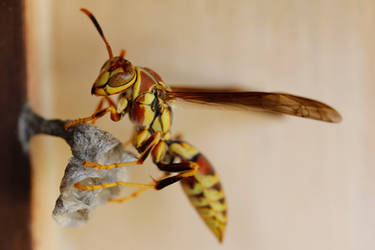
[(205, 193), (203, 189)]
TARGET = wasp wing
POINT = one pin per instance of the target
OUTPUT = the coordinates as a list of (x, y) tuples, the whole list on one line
[(269, 101)]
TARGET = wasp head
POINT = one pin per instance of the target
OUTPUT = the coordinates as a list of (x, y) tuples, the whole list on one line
[(116, 75)]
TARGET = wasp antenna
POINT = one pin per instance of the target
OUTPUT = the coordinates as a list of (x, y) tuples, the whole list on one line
[(122, 53), (99, 29)]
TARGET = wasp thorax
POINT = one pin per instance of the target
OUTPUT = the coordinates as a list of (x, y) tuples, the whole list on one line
[(116, 75)]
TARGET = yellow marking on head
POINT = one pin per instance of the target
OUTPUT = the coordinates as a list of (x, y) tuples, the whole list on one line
[(100, 91), (103, 79)]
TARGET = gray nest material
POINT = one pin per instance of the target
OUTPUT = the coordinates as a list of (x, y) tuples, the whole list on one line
[(73, 206)]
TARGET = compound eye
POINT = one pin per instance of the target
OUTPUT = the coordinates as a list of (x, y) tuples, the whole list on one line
[(120, 79)]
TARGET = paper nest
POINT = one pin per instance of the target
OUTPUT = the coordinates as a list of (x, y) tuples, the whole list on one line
[(74, 206)]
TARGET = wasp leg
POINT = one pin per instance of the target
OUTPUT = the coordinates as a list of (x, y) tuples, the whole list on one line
[(186, 168), (100, 106), (133, 195), (157, 184), (113, 184), (176, 167), (151, 143), (114, 116)]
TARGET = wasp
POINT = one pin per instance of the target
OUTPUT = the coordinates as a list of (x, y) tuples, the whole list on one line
[(143, 95)]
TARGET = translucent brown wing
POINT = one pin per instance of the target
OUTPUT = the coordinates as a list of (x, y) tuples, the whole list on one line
[(276, 102)]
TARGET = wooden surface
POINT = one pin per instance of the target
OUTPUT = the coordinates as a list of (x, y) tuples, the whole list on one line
[(15, 166), (290, 183)]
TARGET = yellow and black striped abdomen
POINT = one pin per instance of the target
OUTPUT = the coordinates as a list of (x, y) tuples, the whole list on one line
[(207, 196)]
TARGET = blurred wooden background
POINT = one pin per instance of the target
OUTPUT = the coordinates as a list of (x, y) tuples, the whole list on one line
[(15, 184), (290, 183)]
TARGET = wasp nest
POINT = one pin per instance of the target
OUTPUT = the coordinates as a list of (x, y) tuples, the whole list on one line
[(73, 206)]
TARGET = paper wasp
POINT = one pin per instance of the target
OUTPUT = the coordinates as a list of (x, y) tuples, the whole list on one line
[(146, 98)]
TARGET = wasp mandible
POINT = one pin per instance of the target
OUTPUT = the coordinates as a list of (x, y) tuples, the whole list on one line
[(146, 98)]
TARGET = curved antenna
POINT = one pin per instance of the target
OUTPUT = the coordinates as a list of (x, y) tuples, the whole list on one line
[(97, 26)]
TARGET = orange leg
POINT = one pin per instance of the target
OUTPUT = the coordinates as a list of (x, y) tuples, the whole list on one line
[(112, 109), (113, 184), (184, 169), (156, 184), (98, 108), (189, 167), (133, 195)]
